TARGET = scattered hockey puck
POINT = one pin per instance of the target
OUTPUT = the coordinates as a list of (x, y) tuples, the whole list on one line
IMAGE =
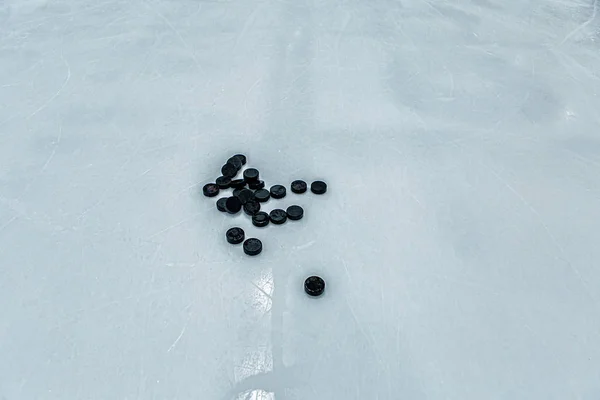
[(236, 162), (210, 190), (295, 213), (237, 183), (278, 216), (245, 195), (256, 185), (260, 219), (318, 187), (242, 158), (298, 187), (314, 286), (229, 170), (251, 207), (262, 195), (235, 235), (236, 192), (223, 182), (252, 247), (221, 204), (278, 191), (251, 175), (233, 205)]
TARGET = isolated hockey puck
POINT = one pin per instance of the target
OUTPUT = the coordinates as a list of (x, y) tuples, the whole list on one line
[(221, 204), (318, 187), (314, 286), (242, 158), (245, 195), (278, 191), (251, 175), (256, 185), (252, 207), (235, 235), (252, 247), (260, 219), (237, 183), (295, 213), (223, 182), (210, 190), (236, 162), (298, 187), (278, 216), (233, 205), (262, 195), (229, 170)]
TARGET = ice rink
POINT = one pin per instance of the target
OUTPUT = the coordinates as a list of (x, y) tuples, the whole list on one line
[(459, 237)]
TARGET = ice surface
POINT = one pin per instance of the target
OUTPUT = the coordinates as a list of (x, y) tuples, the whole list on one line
[(459, 237)]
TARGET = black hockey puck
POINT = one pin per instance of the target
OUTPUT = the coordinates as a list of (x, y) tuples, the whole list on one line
[(245, 195), (252, 247), (235, 235), (256, 185), (295, 213), (262, 195), (221, 204), (229, 170), (242, 158), (236, 192), (252, 207), (318, 187), (314, 286), (237, 183), (278, 191), (298, 187), (210, 190), (260, 219), (251, 175), (233, 205), (278, 216), (223, 182), (236, 162)]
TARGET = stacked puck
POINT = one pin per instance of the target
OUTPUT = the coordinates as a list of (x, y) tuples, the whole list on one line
[(249, 193)]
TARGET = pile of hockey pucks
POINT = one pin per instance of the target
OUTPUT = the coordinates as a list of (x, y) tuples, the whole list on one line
[(248, 193)]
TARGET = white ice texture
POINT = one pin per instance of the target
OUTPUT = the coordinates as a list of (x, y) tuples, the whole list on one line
[(459, 237)]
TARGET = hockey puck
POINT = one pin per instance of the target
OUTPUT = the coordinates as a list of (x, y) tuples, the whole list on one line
[(314, 286), (252, 207), (236, 162), (236, 192), (278, 216), (242, 158), (237, 183), (223, 182), (251, 175), (295, 213), (245, 195), (262, 195), (278, 191), (318, 187), (233, 205), (235, 235), (210, 190), (221, 204), (229, 170), (260, 219), (252, 247), (256, 185), (298, 187)]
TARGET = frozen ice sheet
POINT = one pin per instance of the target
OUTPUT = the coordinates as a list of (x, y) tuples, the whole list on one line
[(459, 238)]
